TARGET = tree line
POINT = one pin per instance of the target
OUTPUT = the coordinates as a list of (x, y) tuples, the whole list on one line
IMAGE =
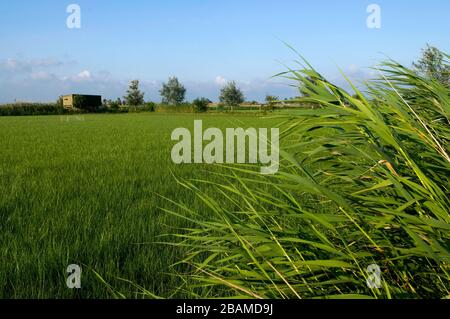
[(173, 93)]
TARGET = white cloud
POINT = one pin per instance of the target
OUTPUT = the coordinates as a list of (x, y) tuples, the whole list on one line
[(29, 65), (15, 66), (84, 75), (220, 80)]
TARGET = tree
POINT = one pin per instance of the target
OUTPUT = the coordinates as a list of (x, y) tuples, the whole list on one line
[(432, 65), (60, 102), (271, 99), (172, 92), (201, 104), (231, 95), (134, 96)]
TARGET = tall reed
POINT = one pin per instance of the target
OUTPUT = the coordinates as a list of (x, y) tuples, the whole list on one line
[(364, 180)]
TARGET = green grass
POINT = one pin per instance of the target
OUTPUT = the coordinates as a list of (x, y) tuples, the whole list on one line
[(85, 189)]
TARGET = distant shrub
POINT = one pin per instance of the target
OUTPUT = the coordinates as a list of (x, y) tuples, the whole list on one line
[(149, 107), (201, 104), (18, 109), (134, 108), (60, 101), (112, 106), (123, 109), (181, 108)]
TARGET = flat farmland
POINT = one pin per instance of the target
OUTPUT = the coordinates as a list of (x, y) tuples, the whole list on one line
[(88, 190)]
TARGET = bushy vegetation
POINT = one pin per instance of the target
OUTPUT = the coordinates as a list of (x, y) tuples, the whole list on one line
[(433, 64), (180, 108), (364, 180), (18, 109), (201, 104)]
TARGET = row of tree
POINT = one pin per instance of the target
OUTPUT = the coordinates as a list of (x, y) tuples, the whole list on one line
[(174, 93)]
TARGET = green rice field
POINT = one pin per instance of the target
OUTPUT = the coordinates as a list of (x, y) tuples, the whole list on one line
[(87, 190)]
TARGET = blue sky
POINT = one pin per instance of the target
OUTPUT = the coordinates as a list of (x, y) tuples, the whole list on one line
[(203, 42)]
